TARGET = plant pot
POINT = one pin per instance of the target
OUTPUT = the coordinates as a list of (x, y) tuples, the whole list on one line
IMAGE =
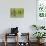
[(40, 41)]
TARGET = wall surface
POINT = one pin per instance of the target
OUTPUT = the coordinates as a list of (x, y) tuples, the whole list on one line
[(23, 23)]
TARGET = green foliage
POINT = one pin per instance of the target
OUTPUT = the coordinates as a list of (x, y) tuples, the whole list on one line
[(39, 35), (40, 27), (35, 27)]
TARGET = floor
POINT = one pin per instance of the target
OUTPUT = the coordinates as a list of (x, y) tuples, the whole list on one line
[(13, 44)]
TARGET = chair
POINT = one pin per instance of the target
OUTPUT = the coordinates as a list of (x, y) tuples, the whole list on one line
[(25, 43), (14, 32)]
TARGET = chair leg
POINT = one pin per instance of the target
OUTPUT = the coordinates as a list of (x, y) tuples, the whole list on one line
[(5, 40), (5, 43), (17, 39)]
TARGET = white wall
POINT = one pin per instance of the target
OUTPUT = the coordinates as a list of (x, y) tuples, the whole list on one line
[(23, 23)]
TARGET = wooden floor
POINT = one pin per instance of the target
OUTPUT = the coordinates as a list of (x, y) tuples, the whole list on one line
[(13, 44)]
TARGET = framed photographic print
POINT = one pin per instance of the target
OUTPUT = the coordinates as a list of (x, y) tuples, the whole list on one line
[(17, 12)]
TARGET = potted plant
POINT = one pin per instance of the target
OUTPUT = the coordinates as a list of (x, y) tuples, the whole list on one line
[(39, 35)]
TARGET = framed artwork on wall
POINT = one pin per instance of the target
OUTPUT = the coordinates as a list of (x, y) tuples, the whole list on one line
[(16, 12), (41, 12), (41, 8)]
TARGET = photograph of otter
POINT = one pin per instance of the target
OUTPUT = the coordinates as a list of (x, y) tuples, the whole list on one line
[(16, 12)]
